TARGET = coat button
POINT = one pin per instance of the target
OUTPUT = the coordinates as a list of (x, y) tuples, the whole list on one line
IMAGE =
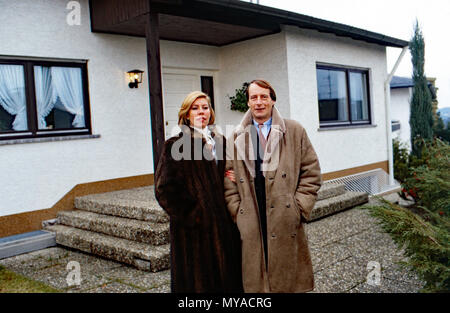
[(273, 235), (284, 175), (288, 205), (293, 235), (242, 211), (241, 180)]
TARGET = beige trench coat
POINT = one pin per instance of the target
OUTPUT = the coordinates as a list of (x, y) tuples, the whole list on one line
[(292, 180)]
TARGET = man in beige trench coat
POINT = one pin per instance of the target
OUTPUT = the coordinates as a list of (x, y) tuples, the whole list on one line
[(276, 180)]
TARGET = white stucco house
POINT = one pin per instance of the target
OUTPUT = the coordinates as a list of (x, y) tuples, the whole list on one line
[(401, 93), (71, 125), (400, 102)]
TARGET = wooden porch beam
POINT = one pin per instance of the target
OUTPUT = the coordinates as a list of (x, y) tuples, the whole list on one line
[(154, 81)]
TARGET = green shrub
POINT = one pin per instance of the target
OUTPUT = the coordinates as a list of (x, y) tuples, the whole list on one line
[(239, 100), (426, 242), (423, 230), (421, 116), (429, 182), (443, 134), (401, 160)]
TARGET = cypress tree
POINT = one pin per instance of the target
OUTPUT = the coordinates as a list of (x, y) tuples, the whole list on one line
[(421, 118)]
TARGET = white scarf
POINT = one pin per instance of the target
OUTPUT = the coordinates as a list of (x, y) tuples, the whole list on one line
[(206, 132)]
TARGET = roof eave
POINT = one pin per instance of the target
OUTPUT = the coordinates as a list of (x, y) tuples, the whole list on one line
[(305, 21)]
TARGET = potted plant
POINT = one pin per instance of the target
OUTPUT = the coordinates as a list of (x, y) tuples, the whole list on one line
[(239, 100)]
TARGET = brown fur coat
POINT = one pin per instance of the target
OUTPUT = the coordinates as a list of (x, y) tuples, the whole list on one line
[(205, 243)]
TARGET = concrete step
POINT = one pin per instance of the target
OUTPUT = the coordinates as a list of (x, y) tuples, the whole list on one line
[(131, 229), (23, 243), (137, 203), (140, 255), (329, 190), (336, 204)]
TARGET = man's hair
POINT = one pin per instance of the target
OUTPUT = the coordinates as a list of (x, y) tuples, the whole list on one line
[(187, 104), (263, 84)]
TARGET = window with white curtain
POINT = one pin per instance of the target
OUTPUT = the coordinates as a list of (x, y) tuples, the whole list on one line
[(13, 105), (42, 98), (343, 95)]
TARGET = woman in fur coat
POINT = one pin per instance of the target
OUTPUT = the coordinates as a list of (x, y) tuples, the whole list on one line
[(205, 243)]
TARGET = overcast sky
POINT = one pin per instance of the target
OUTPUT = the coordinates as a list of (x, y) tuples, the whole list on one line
[(393, 18)]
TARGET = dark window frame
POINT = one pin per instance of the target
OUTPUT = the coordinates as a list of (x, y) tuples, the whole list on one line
[(30, 94), (347, 71), (207, 85)]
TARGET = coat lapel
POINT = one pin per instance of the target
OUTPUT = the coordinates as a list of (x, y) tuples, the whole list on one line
[(244, 145), (272, 153)]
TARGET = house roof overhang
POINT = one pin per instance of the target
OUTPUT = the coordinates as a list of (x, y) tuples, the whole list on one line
[(214, 22), (401, 82)]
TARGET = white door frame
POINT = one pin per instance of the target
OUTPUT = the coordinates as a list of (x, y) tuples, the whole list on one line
[(181, 71)]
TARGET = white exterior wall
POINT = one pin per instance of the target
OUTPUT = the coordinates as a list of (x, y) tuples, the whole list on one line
[(232, 65), (35, 176), (400, 110), (348, 147), (263, 57), (187, 56)]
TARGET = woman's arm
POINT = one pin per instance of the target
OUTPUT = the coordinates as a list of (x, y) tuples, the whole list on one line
[(170, 184)]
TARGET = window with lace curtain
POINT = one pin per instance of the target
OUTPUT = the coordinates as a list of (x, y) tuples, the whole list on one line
[(42, 98)]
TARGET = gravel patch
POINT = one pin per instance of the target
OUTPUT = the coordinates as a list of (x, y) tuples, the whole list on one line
[(341, 246), (337, 227), (137, 278), (114, 287)]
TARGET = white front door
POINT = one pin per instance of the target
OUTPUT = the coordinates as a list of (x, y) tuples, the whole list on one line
[(177, 84), (176, 87)]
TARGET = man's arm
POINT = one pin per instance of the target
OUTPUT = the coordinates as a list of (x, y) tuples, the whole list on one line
[(310, 178), (232, 197)]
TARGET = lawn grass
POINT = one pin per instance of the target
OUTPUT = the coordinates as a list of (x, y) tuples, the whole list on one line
[(11, 282)]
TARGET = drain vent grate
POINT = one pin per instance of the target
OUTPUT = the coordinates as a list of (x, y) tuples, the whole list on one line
[(373, 182)]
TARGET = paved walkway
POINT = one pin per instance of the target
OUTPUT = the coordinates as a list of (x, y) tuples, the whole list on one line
[(341, 247)]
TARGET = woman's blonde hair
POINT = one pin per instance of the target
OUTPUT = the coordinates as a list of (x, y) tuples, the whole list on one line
[(187, 104)]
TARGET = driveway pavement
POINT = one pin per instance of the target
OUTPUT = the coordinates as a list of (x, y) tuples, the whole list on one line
[(348, 249)]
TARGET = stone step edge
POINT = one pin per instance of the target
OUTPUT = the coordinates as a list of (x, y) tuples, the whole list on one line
[(337, 204), (329, 190), (131, 229), (142, 256), (156, 215)]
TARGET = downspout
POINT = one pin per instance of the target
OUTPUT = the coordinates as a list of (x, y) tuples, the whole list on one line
[(387, 96)]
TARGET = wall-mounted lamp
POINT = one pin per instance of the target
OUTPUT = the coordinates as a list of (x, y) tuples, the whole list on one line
[(135, 77)]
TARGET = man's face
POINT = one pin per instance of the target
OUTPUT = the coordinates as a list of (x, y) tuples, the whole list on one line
[(260, 103)]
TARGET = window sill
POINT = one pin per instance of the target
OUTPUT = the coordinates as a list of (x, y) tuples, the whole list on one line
[(46, 139), (346, 127)]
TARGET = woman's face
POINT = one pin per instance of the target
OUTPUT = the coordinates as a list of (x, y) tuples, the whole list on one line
[(199, 114)]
